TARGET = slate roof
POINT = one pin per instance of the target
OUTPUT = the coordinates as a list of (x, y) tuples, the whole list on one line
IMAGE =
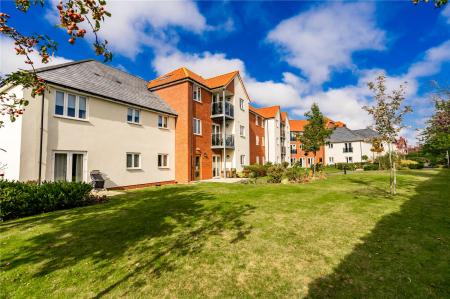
[(96, 78), (344, 134)]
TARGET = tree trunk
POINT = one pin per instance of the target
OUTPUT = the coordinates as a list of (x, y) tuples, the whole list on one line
[(448, 160), (391, 181), (314, 165)]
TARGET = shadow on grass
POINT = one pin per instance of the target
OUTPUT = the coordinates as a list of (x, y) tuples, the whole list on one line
[(155, 226), (407, 255)]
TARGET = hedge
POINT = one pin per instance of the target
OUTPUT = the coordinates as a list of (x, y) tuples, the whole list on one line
[(19, 199)]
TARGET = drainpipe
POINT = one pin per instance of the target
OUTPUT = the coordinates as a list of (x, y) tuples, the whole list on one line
[(41, 140), (224, 137), (268, 142)]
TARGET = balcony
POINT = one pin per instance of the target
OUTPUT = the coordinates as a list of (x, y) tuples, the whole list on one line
[(293, 151), (217, 110), (347, 150), (217, 141), (283, 150)]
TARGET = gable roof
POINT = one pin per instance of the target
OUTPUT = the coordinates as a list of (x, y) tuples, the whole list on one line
[(268, 112), (185, 73), (344, 134), (298, 125), (98, 79), (284, 116)]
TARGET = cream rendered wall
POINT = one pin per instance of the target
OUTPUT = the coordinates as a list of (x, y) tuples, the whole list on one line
[(105, 137), (242, 144), (272, 132), (287, 140), (360, 148), (10, 142)]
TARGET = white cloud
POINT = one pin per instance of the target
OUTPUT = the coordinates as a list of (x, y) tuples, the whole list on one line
[(323, 39), (135, 24), (10, 62), (431, 62), (205, 64)]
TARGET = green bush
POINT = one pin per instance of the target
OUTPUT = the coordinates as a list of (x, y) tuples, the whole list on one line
[(348, 166), (296, 174), (370, 167), (19, 199), (275, 173), (416, 166), (255, 170)]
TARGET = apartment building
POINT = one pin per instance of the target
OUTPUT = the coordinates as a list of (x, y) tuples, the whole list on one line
[(212, 127), (349, 146), (93, 117), (298, 155), (257, 137), (285, 132)]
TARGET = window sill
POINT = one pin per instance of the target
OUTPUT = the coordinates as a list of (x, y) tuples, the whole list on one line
[(197, 101), (71, 118), (198, 134), (134, 168), (163, 128), (133, 123), (163, 167)]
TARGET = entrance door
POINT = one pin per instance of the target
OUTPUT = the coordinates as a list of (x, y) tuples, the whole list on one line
[(69, 167), (197, 168), (216, 166)]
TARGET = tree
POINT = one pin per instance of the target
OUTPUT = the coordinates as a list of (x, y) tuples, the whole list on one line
[(437, 3), (73, 16), (388, 114), (436, 135), (377, 147), (315, 132)]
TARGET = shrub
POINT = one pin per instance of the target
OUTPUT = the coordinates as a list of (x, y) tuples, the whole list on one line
[(275, 173), (416, 166), (364, 157), (19, 199), (297, 174), (285, 164), (348, 166), (255, 170), (370, 167)]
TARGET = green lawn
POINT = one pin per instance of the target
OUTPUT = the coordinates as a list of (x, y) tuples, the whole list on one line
[(341, 237)]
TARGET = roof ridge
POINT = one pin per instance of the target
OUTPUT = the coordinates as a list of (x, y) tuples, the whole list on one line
[(224, 74), (185, 71), (57, 66)]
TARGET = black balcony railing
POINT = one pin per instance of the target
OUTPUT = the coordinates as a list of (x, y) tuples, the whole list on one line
[(293, 151), (347, 150), (217, 140), (217, 109)]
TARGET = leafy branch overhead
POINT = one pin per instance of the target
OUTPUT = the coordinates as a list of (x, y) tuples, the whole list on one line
[(73, 16)]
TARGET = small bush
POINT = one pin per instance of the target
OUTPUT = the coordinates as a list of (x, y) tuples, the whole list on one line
[(418, 165), (275, 173), (370, 167), (348, 166), (19, 199), (297, 174), (255, 170)]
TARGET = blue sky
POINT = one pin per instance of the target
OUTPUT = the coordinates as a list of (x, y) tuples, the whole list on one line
[(290, 53)]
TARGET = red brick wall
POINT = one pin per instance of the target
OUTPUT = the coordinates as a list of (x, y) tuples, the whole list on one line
[(256, 150), (177, 96), (301, 154), (202, 144)]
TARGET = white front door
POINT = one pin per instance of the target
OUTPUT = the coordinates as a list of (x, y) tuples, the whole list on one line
[(216, 166)]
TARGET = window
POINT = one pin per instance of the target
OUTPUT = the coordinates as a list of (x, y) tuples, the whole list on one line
[(330, 159), (349, 159), (241, 104), (133, 116), (70, 105), (257, 159), (197, 96), (162, 121), (262, 140), (310, 161), (330, 145), (278, 123), (257, 120), (197, 126), (133, 160), (163, 160), (242, 159), (278, 141), (262, 159), (242, 131), (262, 123), (69, 166), (257, 140)]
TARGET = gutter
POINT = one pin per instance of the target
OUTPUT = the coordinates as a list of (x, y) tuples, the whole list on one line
[(41, 137)]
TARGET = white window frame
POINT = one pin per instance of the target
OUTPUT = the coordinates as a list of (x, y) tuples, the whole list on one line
[(257, 140), (330, 145), (195, 120), (242, 130), (167, 160), (257, 159), (69, 163), (330, 159), (197, 90), (242, 160), (133, 115), (66, 105), (310, 160), (257, 120), (133, 160), (262, 141), (164, 121), (241, 104)]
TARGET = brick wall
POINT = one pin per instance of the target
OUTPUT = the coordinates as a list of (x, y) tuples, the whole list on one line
[(255, 130)]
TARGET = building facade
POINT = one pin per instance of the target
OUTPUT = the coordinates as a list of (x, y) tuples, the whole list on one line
[(257, 137), (212, 131)]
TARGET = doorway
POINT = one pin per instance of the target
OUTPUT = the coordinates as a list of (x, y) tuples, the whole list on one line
[(197, 167), (216, 166)]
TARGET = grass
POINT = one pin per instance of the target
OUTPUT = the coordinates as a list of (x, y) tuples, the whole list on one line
[(342, 237)]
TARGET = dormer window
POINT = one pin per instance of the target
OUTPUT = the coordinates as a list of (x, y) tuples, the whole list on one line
[(197, 94)]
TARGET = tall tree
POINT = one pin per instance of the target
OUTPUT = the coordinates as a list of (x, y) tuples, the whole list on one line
[(436, 136), (377, 147), (74, 16), (315, 133), (388, 113)]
